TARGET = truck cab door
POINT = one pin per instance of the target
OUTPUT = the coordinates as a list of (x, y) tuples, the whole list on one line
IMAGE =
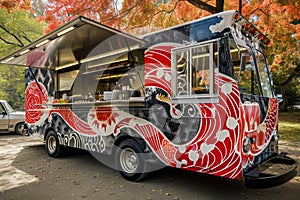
[(253, 78), (255, 82), (4, 118)]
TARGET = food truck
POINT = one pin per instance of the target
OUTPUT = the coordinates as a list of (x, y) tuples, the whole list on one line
[(197, 96)]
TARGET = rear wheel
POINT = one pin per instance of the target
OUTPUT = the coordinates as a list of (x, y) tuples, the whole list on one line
[(52, 145), (129, 160)]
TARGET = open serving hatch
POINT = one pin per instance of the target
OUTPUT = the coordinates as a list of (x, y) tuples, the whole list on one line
[(73, 43)]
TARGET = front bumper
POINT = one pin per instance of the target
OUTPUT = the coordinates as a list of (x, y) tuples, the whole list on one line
[(265, 175)]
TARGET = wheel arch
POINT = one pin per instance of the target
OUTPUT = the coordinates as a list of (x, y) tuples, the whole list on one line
[(129, 133)]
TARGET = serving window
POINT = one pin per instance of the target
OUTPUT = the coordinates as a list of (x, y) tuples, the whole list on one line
[(117, 77), (194, 68)]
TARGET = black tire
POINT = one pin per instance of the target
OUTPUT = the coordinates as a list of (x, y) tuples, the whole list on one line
[(129, 160), (53, 147), (19, 128)]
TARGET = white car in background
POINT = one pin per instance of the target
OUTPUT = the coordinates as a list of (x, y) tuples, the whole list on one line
[(11, 120)]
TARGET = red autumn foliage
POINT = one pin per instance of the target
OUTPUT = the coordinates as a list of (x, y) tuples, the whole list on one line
[(10, 5)]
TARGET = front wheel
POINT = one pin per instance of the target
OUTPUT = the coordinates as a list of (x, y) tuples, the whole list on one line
[(129, 160), (52, 145)]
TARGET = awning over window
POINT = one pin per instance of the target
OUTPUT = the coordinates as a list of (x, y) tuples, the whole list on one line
[(79, 41)]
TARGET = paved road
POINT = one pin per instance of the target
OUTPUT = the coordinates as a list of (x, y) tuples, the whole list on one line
[(28, 173), (10, 146)]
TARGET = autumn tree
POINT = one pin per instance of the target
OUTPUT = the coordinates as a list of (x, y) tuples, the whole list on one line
[(11, 5), (18, 28), (61, 11), (151, 15), (126, 14), (278, 19)]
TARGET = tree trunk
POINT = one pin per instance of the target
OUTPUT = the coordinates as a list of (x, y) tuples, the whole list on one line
[(201, 4), (285, 103), (220, 5)]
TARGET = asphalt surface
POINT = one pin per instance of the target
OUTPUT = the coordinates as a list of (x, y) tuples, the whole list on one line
[(26, 172)]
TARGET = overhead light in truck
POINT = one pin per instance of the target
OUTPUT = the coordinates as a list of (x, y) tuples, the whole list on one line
[(42, 43), (9, 59), (110, 53), (66, 65), (25, 51), (65, 31)]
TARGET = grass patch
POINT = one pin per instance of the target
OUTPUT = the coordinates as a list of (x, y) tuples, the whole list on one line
[(289, 125)]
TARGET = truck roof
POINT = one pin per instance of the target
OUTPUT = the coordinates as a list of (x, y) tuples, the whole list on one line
[(227, 15), (207, 28)]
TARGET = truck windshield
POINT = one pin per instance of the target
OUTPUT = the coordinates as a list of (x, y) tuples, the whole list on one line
[(264, 75), (245, 74), (251, 70)]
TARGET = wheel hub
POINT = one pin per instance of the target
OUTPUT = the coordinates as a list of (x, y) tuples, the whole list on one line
[(128, 160), (51, 144)]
